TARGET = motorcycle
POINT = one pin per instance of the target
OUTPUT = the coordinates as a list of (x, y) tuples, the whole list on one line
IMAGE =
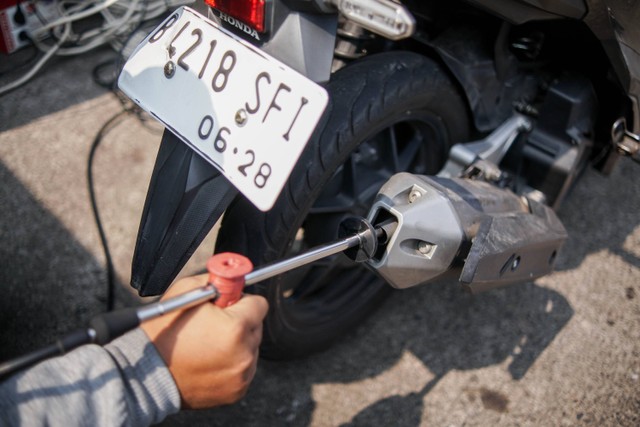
[(463, 124)]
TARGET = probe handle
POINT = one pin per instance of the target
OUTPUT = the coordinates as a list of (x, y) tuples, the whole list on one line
[(108, 326), (227, 273)]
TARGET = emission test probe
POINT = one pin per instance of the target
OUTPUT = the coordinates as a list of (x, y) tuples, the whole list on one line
[(229, 273)]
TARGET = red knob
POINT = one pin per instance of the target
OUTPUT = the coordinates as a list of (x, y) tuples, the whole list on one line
[(226, 274)]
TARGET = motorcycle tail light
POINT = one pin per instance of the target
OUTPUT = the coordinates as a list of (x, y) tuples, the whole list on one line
[(251, 12)]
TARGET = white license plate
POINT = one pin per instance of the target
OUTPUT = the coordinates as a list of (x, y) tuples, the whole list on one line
[(242, 110)]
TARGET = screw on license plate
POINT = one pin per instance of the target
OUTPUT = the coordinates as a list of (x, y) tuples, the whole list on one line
[(169, 69), (241, 117)]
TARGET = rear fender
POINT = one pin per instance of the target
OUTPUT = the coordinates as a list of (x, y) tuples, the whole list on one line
[(186, 197)]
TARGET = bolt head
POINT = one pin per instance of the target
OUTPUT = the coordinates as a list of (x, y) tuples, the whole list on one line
[(414, 195), (241, 117), (169, 69), (424, 248)]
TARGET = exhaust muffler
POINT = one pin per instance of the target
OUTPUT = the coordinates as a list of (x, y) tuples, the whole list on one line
[(493, 236)]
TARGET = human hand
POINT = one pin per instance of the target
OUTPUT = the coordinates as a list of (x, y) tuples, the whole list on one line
[(212, 353)]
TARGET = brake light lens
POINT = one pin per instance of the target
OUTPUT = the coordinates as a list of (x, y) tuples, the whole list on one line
[(251, 12)]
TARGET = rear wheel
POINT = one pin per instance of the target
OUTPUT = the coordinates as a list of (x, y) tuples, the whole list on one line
[(388, 113)]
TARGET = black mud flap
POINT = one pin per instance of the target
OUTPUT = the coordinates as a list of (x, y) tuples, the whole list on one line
[(186, 197)]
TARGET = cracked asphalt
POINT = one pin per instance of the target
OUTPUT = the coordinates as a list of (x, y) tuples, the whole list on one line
[(564, 350)]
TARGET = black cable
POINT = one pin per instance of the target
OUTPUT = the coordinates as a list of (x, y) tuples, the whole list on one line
[(108, 126), (111, 83), (102, 329), (60, 347)]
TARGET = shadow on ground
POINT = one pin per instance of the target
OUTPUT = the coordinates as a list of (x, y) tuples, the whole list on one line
[(600, 213), (51, 285)]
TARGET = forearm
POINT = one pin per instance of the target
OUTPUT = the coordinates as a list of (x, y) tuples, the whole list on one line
[(125, 383)]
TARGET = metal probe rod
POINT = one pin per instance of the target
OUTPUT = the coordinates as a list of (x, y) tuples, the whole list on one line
[(188, 299), (208, 292), (310, 256)]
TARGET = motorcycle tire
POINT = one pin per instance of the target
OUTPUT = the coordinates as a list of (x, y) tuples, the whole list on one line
[(390, 112)]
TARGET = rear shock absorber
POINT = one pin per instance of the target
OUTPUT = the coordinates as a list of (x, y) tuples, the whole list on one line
[(351, 43)]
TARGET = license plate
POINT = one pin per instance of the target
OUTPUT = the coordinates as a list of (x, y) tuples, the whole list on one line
[(245, 112)]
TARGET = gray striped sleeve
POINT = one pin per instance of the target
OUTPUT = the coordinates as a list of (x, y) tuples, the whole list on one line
[(124, 384)]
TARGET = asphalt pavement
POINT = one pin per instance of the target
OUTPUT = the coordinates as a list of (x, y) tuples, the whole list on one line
[(564, 350)]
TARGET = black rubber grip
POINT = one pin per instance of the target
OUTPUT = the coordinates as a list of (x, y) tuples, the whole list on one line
[(73, 340), (111, 325)]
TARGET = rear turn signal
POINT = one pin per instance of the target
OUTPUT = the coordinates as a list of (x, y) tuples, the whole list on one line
[(251, 12)]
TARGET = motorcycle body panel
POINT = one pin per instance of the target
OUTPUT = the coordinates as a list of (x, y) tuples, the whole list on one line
[(613, 22)]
